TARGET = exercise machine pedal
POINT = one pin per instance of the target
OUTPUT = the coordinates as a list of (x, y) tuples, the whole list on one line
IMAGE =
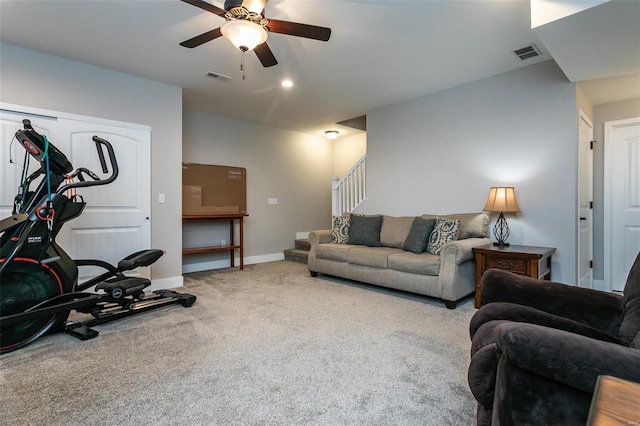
[(80, 331)]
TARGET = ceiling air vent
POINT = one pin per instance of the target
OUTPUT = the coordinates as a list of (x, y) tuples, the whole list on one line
[(217, 76), (528, 52)]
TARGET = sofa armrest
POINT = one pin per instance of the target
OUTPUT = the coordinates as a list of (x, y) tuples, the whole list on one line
[(461, 250), (569, 358), (319, 237), (596, 308)]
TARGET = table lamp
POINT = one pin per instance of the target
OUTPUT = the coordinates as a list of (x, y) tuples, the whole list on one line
[(501, 199)]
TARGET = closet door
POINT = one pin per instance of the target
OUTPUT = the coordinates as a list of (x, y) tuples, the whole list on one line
[(12, 154), (116, 221)]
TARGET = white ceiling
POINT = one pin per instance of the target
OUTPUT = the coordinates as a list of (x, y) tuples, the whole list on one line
[(379, 53)]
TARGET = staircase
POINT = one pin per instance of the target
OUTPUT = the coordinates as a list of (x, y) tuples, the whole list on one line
[(347, 194), (300, 253)]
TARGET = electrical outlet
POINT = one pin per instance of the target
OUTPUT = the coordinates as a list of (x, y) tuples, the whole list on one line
[(161, 198), (272, 201)]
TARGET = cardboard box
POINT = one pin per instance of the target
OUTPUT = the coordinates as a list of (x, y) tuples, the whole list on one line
[(209, 189)]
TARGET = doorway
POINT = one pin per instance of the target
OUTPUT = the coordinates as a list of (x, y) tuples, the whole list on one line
[(621, 199)]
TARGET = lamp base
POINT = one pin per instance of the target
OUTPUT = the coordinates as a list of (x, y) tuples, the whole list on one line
[(501, 244)]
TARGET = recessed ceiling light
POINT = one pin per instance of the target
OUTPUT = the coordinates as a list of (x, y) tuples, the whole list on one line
[(287, 83)]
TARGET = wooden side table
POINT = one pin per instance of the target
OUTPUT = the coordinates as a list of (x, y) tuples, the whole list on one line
[(534, 262), (615, 402)]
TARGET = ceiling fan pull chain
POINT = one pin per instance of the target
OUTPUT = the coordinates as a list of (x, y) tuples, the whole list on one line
[(242, 63)]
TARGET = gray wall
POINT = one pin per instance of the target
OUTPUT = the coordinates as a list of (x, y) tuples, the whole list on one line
[(603, 113), (38, 80), (441, 153), (293, 167)]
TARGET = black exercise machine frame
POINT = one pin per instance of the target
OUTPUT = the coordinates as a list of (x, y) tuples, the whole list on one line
[(35, 218)]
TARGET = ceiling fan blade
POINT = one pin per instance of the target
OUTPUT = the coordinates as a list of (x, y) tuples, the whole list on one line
[(265, 55), (202, 38), (299, 30), (206, 6)]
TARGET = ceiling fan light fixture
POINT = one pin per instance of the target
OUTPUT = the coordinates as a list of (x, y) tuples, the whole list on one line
[(244, 35)]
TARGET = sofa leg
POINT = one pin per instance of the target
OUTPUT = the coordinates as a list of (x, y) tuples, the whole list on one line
[(450, 304), (313, 273)]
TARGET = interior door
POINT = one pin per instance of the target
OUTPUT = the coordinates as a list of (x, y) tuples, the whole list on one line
[(116, 220), (585, 220), (622, 199)]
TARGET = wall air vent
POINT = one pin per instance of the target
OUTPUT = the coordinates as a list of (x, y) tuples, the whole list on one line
[(527, 52), (217, 76)]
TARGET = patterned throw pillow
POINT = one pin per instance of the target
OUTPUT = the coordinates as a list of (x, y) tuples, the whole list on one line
[(340, 228), (446, 230)]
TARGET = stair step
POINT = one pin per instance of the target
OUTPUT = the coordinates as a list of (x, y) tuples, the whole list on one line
[(296, 255), (303, 244)]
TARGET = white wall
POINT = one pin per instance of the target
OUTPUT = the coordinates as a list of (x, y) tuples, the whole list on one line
[(346, 151), (441, 153), (293, 167), (38, 80)]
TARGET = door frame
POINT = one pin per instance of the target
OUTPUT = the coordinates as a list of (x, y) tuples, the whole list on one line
[(609, 126)]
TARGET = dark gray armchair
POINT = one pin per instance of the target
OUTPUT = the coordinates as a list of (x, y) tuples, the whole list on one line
[(538, 347)]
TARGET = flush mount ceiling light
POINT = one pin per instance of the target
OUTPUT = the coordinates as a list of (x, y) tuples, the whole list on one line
[(331, 134), (287, 83)]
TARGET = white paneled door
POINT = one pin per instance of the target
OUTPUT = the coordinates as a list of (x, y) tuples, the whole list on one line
[(116, 221), (622, 199), (585, 220)]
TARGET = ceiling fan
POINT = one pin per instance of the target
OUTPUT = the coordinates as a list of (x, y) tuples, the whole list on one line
[(247, 28)]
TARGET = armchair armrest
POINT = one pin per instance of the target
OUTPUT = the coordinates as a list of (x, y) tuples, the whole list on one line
[(595, 308), (461, 249), (572, 359), (319, 237)]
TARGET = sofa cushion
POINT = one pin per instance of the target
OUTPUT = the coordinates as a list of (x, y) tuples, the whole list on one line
[(365, 230), (630, 325), (418, 236), (333, 251), (340, 229), (374, 257), (423, 263), (472, 225), (445, 230), (394, 230)]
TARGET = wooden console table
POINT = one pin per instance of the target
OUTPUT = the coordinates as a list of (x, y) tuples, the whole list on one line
[(534, 262), (232, 246)]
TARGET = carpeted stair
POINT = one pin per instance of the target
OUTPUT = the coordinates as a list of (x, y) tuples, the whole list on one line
[(300, 253)]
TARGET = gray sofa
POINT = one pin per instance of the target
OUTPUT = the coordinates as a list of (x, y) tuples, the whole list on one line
[(389, 255)]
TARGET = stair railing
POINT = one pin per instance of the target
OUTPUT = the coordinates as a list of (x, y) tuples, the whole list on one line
[(349, 191)]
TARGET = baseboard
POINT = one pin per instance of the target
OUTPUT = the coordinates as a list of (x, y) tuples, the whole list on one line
[(166, 283), (221, 264)]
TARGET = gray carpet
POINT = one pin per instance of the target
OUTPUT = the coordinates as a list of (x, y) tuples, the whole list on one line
[(265, 346)]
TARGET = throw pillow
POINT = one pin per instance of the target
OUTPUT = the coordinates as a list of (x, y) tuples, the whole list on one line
[(394, 230), (365, 230), (444, 231), (340, 229), (419, 233)]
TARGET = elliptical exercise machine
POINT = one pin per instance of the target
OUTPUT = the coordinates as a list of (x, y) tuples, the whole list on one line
[(38, 280)]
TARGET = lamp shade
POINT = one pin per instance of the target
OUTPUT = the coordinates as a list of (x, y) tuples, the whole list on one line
[(501, 199), (243, 34)]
